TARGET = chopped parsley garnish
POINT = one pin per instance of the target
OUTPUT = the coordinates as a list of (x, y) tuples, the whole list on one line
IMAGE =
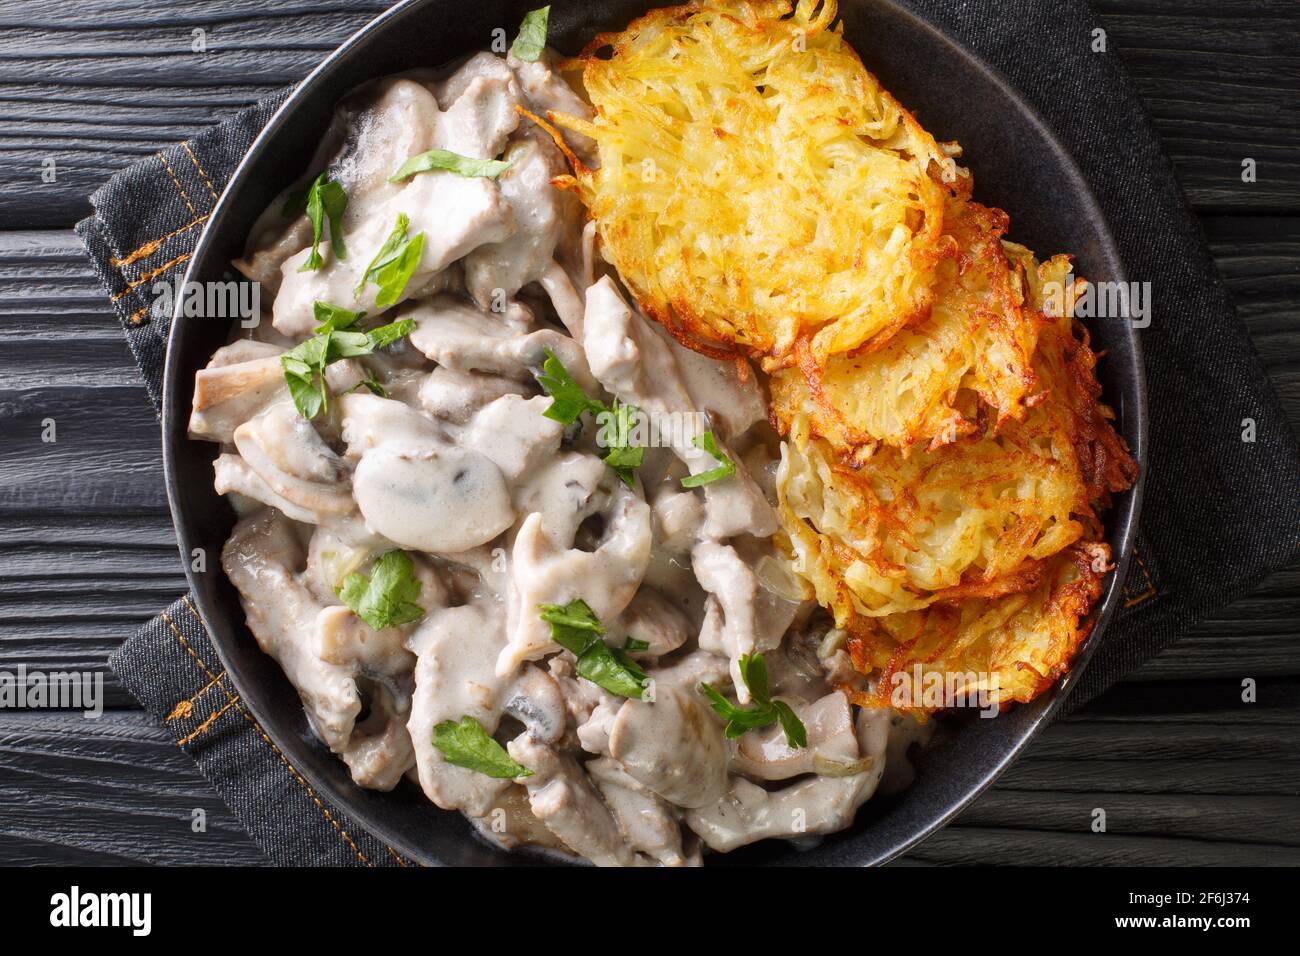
[(763, 712), (304, 365), (623, 457), (725, 469), (392, 267), (575, 627), (445, 159), (326, 200), (531, 40), (617, 421), (467, 744), (371, 385), (387, 598), (570, 400), (334, 318)]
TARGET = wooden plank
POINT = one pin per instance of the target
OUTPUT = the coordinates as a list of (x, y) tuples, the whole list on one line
[(986, 846), (116, 790), (1248, 819), (69, 365), (98, 85), (1227, 775), (1192, 702), (110, 791), (1220, 82)]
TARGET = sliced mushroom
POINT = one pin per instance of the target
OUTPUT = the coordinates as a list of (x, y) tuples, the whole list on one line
[(379, 751), (287, 453), (442, 500), (233, 476), (535, 701), (227, 395)]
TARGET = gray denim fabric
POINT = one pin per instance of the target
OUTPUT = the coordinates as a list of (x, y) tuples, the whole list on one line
[(1219, 514)]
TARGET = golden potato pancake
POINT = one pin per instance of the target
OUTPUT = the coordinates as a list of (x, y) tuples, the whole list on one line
[(926, 385), (980, 652), (757, 185), (974, 517)]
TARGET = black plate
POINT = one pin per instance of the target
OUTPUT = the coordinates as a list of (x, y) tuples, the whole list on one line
[(1018, 165)]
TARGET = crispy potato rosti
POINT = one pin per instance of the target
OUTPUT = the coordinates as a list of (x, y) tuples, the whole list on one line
[(978, 340), (981, 651), (756, 184), (975, 517)]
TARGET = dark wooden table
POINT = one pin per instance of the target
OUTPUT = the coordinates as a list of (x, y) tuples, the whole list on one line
[(1186, 772)]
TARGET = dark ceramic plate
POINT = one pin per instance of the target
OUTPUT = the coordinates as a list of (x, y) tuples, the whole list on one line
[(1018, 166)]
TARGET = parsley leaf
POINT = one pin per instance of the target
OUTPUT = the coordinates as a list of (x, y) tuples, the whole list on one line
[(304, 364), (575, 627), (445, 159), (371, 384), (388, 597), (635, 644), (334, 317), (570, 400), (467, 744), (725, 469), (622, 456), (394, 264), (763, 711), (325, 200), (617, 422), (531, 41)]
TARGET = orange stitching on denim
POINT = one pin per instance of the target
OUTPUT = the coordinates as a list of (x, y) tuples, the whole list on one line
[(202, 728), (1150, 592), (262, 733), (179, 187), (130, 286), (207, 182), (150, 247), (185, 708)]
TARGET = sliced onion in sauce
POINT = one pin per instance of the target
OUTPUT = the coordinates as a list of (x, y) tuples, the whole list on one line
[(830, 767), (775, 575)]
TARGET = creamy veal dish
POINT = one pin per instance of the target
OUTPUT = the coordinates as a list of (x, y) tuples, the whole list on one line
[(639, 446), (504, 535)]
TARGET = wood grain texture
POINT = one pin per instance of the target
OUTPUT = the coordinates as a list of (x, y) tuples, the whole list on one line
[(1186, 772), (98, 85), (116, 790)]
